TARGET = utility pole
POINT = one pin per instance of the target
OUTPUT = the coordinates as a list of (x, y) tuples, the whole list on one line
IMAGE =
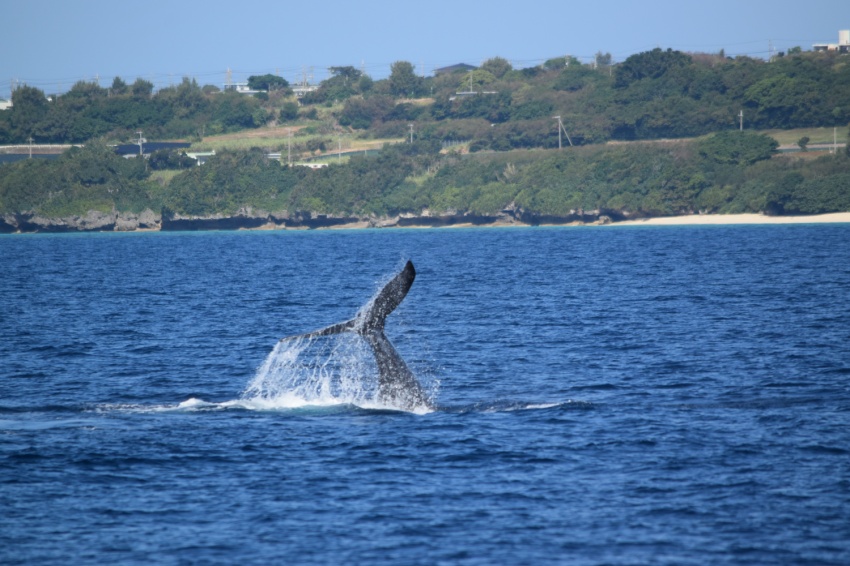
[(30, 140), (141, 142), (559, 131), (560, 128), (289, 148), (834, 140), (741, 118), (411, 132)]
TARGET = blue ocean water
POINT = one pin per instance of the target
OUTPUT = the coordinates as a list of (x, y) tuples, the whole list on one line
[(640, 395)]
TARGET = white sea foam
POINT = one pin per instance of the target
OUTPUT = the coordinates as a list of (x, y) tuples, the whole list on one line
[(316, 372)]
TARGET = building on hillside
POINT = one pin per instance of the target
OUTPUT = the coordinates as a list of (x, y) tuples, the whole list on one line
[(200, 156), (460, 67), (843, 45), (144, 147), (467, 93), (5, 104), (302, 89), (241, 88)]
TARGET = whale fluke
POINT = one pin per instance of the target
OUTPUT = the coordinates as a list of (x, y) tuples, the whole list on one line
[(393, 293), (397, 385)]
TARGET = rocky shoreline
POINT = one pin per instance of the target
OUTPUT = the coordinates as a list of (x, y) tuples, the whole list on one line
[(149, 221), (248, 219)]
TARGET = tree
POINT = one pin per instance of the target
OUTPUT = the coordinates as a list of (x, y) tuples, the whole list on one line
[(29, 106), (803, 142), (575, 77), (347, 73), (403, 81), (603, 59), (737, 148), (476, 80), (170, 159), (186, 99), (649, 64), (360, 113), (142, 88), (288, 112), (88, 90), (233, 111), (343, 84), (365, 83), (267, 82), (118, 86), (557, 63), (497, 66), (783, 101)]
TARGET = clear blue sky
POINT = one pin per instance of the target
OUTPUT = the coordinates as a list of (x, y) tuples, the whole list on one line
[(51, 44)]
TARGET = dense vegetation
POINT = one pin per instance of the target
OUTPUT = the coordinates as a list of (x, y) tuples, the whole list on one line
[(88, 111), (82, 179), (650, 95), (727, 172), (503, 116)]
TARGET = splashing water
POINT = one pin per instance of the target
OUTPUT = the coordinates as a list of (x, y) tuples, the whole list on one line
[(319, 371), (338, 366)]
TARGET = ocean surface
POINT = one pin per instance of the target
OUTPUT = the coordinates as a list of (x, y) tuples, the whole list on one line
[(614, 395)]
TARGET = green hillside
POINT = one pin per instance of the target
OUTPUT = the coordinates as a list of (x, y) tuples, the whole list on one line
[(484, 142)]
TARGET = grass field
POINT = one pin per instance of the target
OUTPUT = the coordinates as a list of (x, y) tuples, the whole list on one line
[(276, 139), (815, 135)]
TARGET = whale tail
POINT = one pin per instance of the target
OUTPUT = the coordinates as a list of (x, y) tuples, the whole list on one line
[(370, 319), (396, 384)]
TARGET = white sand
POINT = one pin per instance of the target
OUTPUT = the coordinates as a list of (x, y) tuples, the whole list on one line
[(736, 219)]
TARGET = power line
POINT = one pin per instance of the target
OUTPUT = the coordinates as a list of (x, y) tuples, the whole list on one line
[(380, 70)]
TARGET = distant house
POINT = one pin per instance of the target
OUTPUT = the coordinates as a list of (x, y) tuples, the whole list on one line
[(302, 89), (466, 93), (133, 149), (241, 88), (843, 45), (200, 156), (460, 67), (5, 104)]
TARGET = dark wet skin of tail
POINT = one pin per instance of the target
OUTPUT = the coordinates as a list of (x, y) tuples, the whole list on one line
[(397, 386)]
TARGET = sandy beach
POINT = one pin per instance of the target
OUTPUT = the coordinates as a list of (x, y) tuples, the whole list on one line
[(736, 219)]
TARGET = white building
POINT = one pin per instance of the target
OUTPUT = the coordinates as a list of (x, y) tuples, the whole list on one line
[(5, 104), (302, 89), (241, 88), (843, 45)]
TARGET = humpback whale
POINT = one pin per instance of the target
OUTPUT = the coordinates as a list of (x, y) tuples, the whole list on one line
[(397, 386)]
